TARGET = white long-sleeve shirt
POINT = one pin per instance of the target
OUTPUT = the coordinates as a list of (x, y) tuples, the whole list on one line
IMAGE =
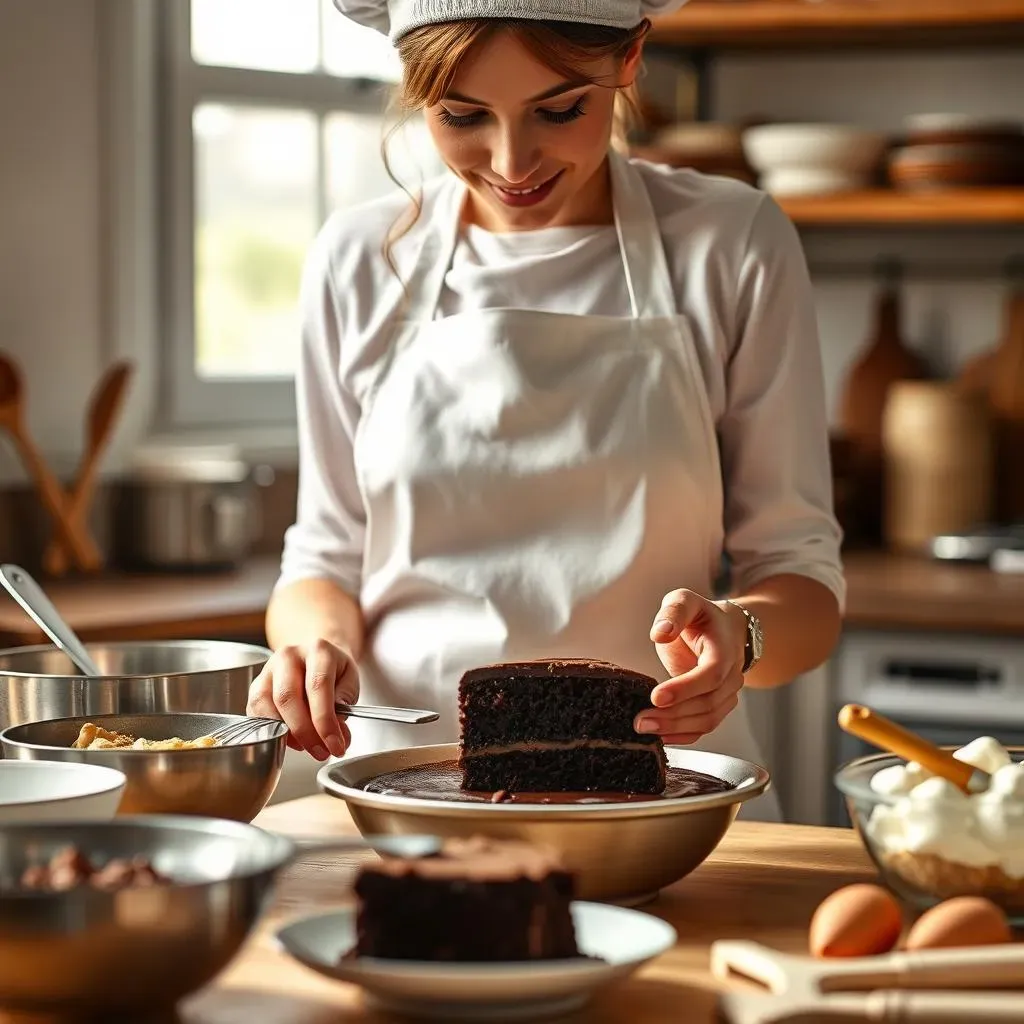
[(740, 280)]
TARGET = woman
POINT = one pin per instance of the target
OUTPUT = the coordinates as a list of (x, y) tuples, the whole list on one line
[(538, 405)]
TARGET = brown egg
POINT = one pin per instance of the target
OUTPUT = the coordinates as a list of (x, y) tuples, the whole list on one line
[(857, 920), (960, 921)]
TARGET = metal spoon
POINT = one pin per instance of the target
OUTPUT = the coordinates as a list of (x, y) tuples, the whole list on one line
[(410, 847), (30, 596)]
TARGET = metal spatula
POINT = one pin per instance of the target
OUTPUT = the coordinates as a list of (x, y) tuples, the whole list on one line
[(238, 732)]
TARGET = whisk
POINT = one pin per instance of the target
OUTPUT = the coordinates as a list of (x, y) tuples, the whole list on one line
[(238, 732)]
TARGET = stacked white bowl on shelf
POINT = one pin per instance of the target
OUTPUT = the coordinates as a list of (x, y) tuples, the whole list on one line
[(814, 159)]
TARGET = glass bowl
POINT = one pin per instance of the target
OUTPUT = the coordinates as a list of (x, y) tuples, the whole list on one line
[(919, 879)]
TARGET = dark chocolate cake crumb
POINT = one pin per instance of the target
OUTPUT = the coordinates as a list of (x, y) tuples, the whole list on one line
[(557, 725), (480, 899)]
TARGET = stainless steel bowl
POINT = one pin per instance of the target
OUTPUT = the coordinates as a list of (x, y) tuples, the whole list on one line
[(233, 781), (109, 954), (623, 853), (212, 676)]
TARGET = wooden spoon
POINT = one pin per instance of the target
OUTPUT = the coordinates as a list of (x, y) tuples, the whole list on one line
[(104, 405), (878, 730), (12, 406)]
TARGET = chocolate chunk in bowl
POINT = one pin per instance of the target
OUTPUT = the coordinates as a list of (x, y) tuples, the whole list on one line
[(622, 848), (119, 920)]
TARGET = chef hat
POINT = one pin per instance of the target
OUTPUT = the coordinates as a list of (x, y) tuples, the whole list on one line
[(396, 17)]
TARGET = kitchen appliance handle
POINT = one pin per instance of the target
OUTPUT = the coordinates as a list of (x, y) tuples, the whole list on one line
[(24, 589)]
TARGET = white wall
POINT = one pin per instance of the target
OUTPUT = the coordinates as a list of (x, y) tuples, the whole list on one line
[(50, 273), (52, 282)]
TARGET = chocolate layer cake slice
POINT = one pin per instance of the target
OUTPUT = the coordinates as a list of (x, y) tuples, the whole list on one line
[(557, 726), (479, 899)]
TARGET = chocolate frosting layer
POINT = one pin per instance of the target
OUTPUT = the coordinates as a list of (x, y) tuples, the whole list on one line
[(555, 668), (443, 780)]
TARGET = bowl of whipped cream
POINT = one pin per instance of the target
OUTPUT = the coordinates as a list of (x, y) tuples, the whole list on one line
[(930, 839)]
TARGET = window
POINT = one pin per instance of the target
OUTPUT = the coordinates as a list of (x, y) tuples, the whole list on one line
[(274, 118)]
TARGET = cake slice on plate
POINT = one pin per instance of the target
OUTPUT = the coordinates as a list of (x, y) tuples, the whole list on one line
[(557, 726), (479, 899)]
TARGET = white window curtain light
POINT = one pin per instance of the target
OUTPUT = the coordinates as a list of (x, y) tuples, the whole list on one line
[(273, 115)]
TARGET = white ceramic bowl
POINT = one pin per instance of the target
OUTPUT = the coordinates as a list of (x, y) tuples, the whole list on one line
[(841, 147), (813, 181), (37, 791)]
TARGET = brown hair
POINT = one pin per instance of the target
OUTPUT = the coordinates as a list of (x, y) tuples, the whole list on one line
[(431, 56)]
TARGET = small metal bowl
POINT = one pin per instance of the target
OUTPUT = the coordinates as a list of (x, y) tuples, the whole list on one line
[(233, 781), (620, 852), (110, 955)]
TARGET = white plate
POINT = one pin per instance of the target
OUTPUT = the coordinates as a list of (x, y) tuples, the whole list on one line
[(622, 939)]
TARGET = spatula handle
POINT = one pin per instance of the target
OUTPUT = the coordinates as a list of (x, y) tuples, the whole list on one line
[(975, 967), (870, 726), (885, 1006), (938, 1007)]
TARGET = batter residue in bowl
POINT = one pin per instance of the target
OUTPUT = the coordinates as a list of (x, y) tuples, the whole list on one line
[(442, 781), (92, 737)]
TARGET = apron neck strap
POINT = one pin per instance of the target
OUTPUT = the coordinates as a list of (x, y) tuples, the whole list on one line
[(643, 256)]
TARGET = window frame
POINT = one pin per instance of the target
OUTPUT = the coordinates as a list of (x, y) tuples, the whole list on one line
[(185, 399)]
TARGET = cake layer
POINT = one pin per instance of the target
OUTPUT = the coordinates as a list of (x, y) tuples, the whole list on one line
[(553, 701), (479, 900), (556, 726), (566, 769)]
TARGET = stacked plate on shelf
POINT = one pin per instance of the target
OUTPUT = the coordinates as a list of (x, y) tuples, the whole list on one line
[(708, 147), (958, 151)]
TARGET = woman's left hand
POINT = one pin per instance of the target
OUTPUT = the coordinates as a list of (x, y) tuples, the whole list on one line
[(701, 644)]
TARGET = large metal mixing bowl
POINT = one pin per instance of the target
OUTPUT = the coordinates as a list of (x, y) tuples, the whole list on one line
[(232, 781), (620, 852), (108, 954), (38, 683)]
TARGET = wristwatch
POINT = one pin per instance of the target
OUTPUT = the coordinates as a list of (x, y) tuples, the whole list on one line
[(754, 647)]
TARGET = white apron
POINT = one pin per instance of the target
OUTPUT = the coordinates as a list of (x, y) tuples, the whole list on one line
[(534, 484)]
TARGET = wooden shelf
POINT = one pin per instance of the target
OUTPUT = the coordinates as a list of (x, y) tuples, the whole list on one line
[(840, 23), (982, 207)]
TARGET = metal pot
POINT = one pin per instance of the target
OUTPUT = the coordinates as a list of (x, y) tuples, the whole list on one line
[(210, 676), (191, 509)]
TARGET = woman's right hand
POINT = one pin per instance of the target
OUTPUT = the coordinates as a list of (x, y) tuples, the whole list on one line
[(300, 685)]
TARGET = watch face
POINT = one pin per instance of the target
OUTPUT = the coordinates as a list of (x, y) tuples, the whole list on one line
[(756, 638)]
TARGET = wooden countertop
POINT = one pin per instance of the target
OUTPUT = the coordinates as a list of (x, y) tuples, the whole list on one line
[(884, 592), (892, 592), (223, 605), (762, 883)]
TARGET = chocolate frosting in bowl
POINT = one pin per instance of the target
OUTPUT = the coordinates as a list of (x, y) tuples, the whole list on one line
[(441, 780)]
